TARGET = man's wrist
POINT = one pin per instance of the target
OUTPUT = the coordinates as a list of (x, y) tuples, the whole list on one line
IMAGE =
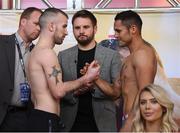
[(97, 80), (83, 80)]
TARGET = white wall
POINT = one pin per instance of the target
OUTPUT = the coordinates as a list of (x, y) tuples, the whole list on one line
[(162, 30)]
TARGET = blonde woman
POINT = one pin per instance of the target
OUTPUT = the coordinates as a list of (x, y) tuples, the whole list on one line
[(162, 80), (155, 111)]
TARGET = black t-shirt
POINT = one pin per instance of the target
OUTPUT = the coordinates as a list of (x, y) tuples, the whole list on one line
[(85, 119)]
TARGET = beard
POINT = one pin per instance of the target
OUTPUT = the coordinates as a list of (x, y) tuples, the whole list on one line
[(58, 40), (86, 41)]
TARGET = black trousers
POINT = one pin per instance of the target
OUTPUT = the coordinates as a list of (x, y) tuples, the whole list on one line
[(41, 121), (15, 119)]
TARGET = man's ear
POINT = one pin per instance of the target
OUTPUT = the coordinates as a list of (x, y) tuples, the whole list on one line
[(95, 29), (51, 26), (133, 29), (23, 21)]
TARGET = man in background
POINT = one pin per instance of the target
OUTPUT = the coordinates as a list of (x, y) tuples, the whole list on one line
[(90, 109), (14, 50)]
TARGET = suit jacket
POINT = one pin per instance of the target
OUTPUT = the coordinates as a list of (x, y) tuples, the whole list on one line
[(7, 67), (7, 59), (103, 107)]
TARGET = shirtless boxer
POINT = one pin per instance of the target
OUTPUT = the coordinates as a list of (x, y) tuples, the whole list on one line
[(45, 75), (139, 68)]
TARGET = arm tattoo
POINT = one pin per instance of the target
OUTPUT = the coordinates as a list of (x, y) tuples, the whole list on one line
[(55, 73)]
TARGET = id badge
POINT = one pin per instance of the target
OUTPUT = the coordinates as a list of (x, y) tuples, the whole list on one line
[(25, 92)]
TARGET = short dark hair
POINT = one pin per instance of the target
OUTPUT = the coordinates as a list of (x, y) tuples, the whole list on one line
[(28, 11), (85, 14), (50, 12), (129, 18), (55, 11)]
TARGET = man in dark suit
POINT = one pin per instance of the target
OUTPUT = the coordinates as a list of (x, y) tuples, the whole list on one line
[(91, 108), (14, 50)]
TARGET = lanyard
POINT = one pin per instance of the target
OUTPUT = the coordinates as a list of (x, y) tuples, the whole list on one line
[(21, 59)]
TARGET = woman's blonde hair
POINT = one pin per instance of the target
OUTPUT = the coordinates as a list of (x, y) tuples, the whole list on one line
[(168, 124)]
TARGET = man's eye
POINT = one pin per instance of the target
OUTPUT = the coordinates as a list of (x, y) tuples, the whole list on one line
[(77, 28)]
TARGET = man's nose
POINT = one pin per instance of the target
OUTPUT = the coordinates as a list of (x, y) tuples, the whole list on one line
[(66, 32), (116, 35), (81, 30), (38, 27)]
